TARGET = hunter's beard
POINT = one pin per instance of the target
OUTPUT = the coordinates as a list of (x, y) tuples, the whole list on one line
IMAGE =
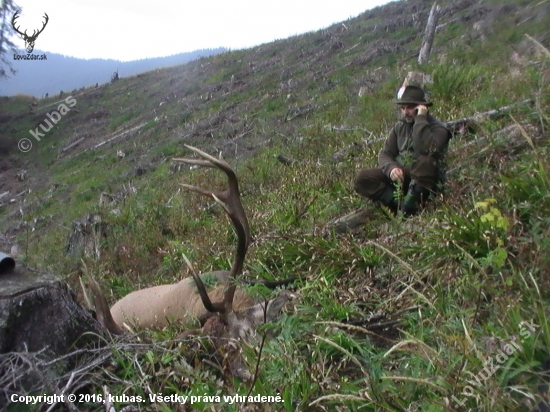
[(407, 119)]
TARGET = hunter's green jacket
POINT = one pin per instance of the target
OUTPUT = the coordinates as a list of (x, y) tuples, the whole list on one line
[(419, 147)]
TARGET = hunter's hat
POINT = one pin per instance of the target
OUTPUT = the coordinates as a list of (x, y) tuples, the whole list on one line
[(412, 95)]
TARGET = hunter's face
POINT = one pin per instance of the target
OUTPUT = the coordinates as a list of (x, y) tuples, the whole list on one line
[(408, 111)]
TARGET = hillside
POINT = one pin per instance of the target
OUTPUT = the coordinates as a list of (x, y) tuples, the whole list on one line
[(401, 314), (59, 72)]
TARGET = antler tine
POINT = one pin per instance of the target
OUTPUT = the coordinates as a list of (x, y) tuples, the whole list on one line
[(209, 306), (43, 26), (231, 202), (15, 17), (202, 191), (220, 163), (210, 161), (194, 162)]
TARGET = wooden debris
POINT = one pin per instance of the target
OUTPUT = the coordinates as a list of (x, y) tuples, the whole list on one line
[(73, 144), (86, 237), (429, 33), (22, 176), (348, 222), (456, 125), (286, 160)]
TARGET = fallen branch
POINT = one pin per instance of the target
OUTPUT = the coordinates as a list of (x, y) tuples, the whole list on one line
[(349, 129), (516, 143), (539, 46), (116, 136), (299, 112), (374, 320), (287, 161), (73, 144), (456, 125), (300, 213), (349, 222)]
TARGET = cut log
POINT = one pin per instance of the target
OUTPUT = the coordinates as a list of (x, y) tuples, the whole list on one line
[(7, 263), (348, 222), (420, 79)]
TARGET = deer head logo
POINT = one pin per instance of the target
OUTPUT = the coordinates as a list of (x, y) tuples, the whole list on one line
[(29, 40)]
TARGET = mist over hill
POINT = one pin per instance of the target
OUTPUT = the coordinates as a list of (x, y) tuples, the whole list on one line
[(59, 72)]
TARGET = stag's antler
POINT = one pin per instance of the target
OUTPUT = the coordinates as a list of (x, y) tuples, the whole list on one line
[(35, 33), (15, 17), (230, 200)]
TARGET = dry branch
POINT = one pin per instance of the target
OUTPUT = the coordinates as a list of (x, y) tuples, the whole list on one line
[(32, 371), (355, 147), (299, 112), (73, 144), (456, 125)]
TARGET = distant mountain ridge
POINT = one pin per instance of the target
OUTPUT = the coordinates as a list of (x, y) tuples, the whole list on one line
[(59, 72)]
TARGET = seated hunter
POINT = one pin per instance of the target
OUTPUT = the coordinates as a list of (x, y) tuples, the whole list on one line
[(412, 160)]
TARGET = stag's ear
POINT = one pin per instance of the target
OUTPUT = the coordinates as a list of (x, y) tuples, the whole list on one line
[(274, 306), (258, 314)]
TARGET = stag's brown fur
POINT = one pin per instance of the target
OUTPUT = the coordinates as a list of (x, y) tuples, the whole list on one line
[(154, 307)]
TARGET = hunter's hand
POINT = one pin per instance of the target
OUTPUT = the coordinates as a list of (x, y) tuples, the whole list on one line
[(422, 110), (397, 174)]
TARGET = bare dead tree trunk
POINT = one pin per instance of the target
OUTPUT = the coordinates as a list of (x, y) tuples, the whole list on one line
[(429, 34)]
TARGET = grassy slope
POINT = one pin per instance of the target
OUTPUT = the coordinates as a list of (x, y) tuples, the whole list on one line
[(474, 268)]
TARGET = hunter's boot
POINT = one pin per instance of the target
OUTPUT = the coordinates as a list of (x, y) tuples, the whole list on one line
[(416, 195), (387, 198)]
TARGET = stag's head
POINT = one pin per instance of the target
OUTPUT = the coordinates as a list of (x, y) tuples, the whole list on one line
[(227, 322), (29, 40)]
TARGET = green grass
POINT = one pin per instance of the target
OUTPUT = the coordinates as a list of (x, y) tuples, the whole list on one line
[(460, 278)]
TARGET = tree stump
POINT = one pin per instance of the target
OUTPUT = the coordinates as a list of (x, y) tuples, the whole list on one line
[(40, 321), (39, 311), (86, 237)]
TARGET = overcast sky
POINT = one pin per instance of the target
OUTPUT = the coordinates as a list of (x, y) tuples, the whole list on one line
[(134, 29)]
